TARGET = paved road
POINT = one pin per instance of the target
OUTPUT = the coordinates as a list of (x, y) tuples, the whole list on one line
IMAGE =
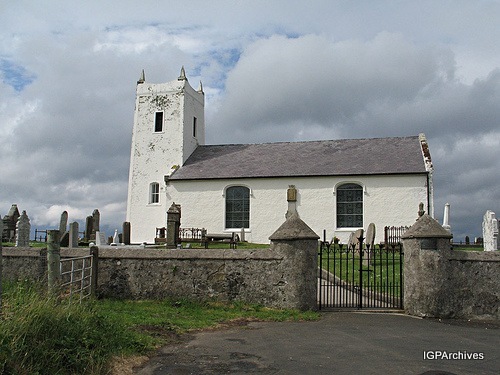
[(339, 343)]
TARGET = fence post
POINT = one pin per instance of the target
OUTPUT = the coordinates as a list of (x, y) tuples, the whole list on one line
[(94, 251), (53, 261)]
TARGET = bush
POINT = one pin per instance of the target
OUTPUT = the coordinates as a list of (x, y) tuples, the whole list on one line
[(41, 335)]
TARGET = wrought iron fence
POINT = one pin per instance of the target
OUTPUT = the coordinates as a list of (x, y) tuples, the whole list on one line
[(392, 235), (360, 277)]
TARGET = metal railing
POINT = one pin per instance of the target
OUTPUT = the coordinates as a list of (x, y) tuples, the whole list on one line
[(77, 276), (70, 276)]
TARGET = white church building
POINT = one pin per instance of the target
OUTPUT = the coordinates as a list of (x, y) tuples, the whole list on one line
[(341, 185)]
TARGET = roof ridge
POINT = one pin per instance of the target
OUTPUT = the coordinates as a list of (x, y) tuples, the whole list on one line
[(310, 141)]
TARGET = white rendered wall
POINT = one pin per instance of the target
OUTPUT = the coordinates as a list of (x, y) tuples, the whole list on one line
[(154, 154), (388, 200)]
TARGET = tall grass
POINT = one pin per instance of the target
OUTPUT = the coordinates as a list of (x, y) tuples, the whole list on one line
[(42, 335)]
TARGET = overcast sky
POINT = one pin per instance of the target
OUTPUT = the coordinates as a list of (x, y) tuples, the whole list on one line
[(271, 71)]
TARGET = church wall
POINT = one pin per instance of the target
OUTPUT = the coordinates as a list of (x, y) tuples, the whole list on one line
[(388, 200)]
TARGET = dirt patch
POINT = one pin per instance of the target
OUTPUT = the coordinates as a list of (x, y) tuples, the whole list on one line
[(126, 365)]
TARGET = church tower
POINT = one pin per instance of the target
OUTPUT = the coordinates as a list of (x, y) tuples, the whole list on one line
[(169, 123)]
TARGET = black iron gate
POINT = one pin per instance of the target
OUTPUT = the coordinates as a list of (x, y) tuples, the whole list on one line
[(357, 276)]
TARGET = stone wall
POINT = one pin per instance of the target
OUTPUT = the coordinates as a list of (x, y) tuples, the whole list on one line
[(443, 283), (282, 276), (260, 276)]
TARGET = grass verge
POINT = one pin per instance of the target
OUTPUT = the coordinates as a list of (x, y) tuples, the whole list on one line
[(43, 335)]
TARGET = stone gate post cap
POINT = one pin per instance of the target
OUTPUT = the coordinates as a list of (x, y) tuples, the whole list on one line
[(294, 229), (426, 227)]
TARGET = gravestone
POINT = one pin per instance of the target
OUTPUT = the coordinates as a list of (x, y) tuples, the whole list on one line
[(23, 230), (73, 234), (10, 223), (126, 233), (354, 239), (490, 231), (63, 223), (370, 235), (369, 243), (96, 218), (100, 239), (88, 228)]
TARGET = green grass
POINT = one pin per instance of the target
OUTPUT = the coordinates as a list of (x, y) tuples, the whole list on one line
[(32, 244), (223, 245), (383, 269), (43, 335)]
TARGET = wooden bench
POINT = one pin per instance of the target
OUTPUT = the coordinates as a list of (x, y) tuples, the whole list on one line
[(232, 238)]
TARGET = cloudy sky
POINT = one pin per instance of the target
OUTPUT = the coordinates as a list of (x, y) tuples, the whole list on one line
[(279, 70)]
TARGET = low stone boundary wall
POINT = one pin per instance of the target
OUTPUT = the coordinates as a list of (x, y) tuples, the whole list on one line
[(283, 276), (260, 276), (474, 279), (445, 283)]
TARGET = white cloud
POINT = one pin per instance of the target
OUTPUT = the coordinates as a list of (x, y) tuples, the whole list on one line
[(271, 71)]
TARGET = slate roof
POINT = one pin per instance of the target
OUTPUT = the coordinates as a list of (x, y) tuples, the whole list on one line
[(370, 156)]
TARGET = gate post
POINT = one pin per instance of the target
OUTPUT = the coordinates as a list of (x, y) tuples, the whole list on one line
[(94, 251), (426, 246), (53, 261), (298, 244)]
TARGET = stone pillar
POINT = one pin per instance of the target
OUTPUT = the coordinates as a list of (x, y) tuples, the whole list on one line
[(173, 225), (426, 247), (53, 261), (73, 234), (126, 233), (298, 244), (23, 228), (446, 218)]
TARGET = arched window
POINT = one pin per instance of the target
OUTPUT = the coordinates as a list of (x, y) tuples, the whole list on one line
[(349, 206), (154, 192), (237, 207)]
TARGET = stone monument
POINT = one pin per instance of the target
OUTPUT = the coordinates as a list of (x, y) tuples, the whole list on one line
[(490, 231), (291, 197), (446, 218), (73, 234), (23, 230)]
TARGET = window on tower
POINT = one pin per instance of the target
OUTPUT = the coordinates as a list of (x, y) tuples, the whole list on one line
[(194, 127), (158, 122), (154, 192)]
